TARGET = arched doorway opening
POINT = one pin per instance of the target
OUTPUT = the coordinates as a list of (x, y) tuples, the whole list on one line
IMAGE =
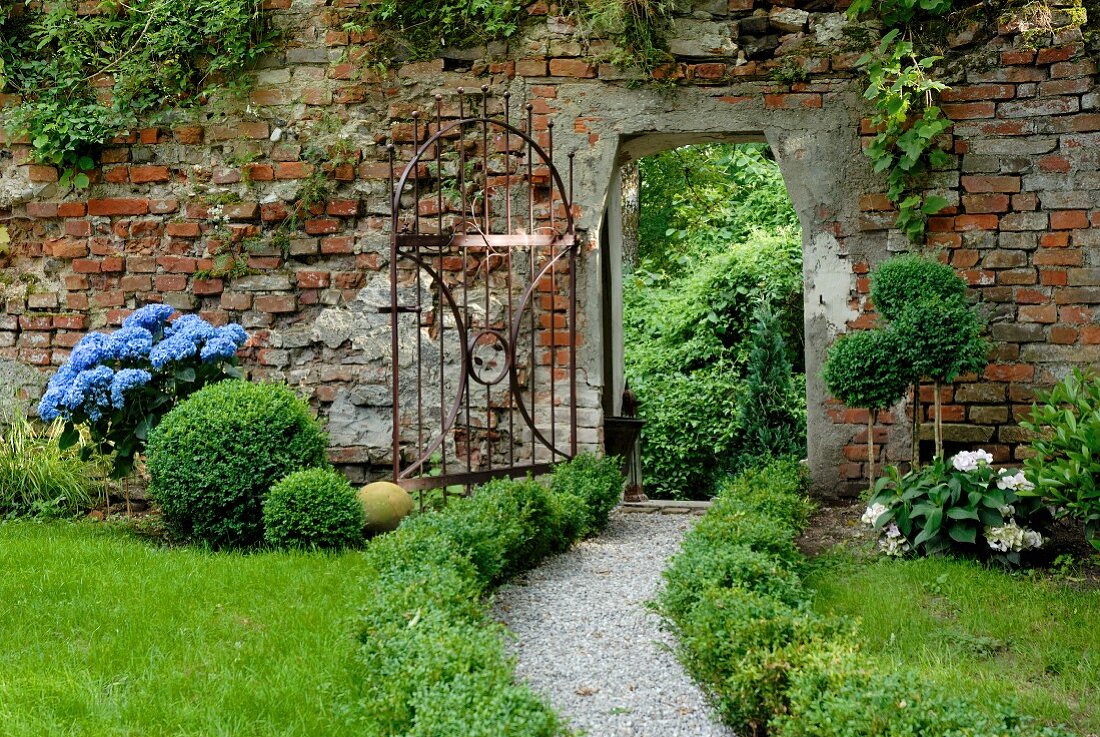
[(703, 313)]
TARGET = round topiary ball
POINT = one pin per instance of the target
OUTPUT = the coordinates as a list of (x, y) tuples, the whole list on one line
[(384, 505), (214, 457), (314, 508)]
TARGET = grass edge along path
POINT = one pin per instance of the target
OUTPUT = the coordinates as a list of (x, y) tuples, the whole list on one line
[(1002, 635), (770, 665)]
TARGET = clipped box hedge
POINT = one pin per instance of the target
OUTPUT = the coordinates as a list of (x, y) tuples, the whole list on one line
[(432, 662), (768, 663)]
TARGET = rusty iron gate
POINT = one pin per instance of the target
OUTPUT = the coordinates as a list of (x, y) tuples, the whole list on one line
[(483, 308)]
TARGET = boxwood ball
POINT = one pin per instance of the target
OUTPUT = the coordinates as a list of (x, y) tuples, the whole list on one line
[(385, 504)]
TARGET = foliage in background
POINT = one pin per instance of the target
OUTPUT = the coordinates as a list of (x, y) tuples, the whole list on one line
[(213, 459), (313, 508), (907, 122), (120, 385), (769, 664), (39, 477), (636, 28), (688, 344), (1065, 466), (152, 53), (718, 239), (430, 661), (963, 506), (696, 200), (423, 29)]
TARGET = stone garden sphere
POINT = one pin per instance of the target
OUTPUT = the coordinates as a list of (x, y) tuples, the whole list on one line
[(385, 504)]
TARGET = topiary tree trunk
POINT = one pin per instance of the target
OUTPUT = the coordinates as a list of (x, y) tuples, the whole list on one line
[(938, 419), (917, 407), (871, 446)]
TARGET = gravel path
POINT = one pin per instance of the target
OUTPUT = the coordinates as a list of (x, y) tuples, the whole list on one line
[(585, 640)]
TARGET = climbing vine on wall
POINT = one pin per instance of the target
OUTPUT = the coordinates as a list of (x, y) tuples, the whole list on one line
[(905, 118), (87, 72)]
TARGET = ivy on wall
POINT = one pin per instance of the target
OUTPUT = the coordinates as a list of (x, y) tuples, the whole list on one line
[(422, 29), (906, 120), (87, 77)]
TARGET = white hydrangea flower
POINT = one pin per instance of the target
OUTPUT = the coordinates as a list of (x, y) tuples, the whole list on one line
[(1007, 511), (892, 543), (970, 461), (873, 512), (1014, 482), (1012, 538), (964, 461)]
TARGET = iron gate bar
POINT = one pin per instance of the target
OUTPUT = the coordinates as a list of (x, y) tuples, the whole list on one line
[(482, 253)]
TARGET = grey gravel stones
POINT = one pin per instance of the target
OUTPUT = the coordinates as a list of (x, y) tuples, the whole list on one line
[(585, 640)]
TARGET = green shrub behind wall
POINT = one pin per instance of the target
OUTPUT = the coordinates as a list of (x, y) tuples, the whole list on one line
[(688, 347)]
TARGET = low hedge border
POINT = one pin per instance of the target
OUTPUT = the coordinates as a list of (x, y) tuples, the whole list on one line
[(768, 663), (431, 661)]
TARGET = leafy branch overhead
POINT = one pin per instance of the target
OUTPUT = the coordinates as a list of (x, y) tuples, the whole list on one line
[(86, 77), (906, 120)]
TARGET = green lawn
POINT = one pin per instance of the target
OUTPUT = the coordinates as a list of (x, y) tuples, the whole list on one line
[(105, 634), (973, 628)]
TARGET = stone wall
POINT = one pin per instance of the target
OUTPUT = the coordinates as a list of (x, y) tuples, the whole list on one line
[(1024, 188)]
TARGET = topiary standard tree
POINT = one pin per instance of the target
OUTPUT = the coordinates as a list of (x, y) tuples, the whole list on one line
[(863, 370), (940, 339), (901, 282)]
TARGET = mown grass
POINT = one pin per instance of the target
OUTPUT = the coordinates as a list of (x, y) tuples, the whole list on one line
[(1001, 636), (105, 634)]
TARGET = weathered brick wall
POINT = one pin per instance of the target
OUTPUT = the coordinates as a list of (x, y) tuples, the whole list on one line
[(1024, 187)]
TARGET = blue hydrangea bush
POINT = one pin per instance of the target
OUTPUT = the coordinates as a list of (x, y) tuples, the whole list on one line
[(120, 385)]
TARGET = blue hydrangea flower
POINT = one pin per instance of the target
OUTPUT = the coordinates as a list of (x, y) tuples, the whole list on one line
[(233, 332), (132, 343), (174, 348), (151, 317), (190, 327), (93, 349), (90, 391), (124, 381), (49, 407), (218, 348)]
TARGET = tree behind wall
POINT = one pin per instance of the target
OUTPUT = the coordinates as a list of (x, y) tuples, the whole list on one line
[(771, 413)]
